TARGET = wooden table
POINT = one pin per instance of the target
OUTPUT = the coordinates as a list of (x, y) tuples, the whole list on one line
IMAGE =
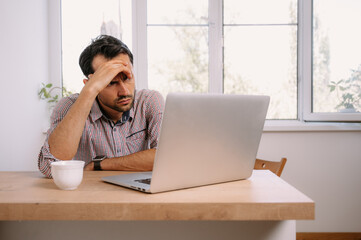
[(263, 197)]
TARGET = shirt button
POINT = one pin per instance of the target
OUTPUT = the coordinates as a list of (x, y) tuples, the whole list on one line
[(114, 129)]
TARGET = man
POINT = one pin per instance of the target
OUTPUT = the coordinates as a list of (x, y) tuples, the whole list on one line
[(109, 125)]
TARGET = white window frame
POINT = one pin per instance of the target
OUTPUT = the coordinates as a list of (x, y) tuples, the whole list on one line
[(140, 39), (307, 120), (54, 47), (305, 70)]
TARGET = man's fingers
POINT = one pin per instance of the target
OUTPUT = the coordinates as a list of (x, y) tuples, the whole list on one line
[(127, 72), (110, 70)]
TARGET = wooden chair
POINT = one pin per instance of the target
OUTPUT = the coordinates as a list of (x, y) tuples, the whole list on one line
[(275, 167)]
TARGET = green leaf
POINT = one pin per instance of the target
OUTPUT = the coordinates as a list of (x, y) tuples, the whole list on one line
[(49, 85), (41, 92)]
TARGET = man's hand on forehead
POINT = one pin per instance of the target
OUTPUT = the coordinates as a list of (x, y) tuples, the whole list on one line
[(106, 71), (125, 67), (117, 67)]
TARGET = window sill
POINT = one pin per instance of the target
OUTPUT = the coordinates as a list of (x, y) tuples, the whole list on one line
[(301, 126)]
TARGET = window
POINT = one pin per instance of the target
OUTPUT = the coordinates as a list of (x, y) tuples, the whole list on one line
[(336, 62), (295, 51), (260, 52), (177, 45)]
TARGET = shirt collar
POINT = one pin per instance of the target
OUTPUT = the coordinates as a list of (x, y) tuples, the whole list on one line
[(125, 116)]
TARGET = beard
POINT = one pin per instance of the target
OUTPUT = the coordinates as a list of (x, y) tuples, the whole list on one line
[(117, 105), (123, 108)]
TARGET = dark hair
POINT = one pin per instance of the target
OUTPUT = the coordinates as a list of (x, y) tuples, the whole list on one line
[(105, 45)]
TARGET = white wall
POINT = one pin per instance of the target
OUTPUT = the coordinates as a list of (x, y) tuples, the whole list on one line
[(23, 66), (324, 165)]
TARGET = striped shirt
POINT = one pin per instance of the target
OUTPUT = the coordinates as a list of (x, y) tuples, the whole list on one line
[(137, 130)]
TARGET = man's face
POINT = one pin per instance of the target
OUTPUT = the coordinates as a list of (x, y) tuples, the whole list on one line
[(118, 96)]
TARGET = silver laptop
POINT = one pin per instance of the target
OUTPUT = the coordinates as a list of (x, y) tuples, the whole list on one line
[(204, 139)]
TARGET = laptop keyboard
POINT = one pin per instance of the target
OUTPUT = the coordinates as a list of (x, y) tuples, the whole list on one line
[(144, 181)]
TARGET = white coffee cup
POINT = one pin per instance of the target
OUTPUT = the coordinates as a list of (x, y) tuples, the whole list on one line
[(68, 174)]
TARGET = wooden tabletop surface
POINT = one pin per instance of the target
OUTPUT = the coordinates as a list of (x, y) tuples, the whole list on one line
[(264, 196)]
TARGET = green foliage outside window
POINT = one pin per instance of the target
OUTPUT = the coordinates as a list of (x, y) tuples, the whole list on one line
[(348, 91)]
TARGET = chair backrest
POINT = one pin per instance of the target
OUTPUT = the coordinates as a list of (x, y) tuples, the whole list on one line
[(275, 167)]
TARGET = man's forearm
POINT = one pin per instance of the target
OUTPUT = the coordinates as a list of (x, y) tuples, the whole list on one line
[(64, 140), (139, 161)]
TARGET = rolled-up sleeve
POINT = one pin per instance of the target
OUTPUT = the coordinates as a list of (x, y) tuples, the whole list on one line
[(45, 159)]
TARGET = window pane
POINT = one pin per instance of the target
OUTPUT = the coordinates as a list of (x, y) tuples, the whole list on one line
[(178, 54), (177, 12), (259, 11), (336, 56), (260, 52), (83, 20), (178, 59), (262, 60)]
